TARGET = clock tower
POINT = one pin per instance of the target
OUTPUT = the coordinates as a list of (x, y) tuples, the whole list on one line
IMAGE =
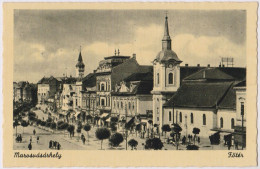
[(166, 79)]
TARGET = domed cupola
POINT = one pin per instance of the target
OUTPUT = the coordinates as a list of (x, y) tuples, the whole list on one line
[(166, 54)]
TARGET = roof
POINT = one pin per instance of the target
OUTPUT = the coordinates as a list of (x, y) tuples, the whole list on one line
[(209, 74), (239, 73), (167, 55), (199, 94), (186, 71), (148, 76), (89, 80), (46, 80), (241, 84), (141, 87)]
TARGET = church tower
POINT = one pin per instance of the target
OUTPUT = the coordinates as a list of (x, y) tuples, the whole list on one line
[(80, 67), (166, 68)]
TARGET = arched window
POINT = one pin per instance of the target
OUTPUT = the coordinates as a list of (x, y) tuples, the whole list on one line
[(129, 105), (191, 118), (122, 105), (114, 103), (221, 122), (118, 104), (170, 116), (170, 78), (180, 117), (158, 78), (102, 87), (232, 123), (133, 106), (157, 110), (204, 119)]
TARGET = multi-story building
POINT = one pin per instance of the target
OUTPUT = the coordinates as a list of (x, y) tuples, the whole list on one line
[(23, 91), (111, 71), (47, 88), (132, 97), (240, 126)]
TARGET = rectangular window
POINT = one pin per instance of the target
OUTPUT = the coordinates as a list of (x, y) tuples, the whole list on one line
[(242, 108), (170, 116), (158, 78), (157, 118)]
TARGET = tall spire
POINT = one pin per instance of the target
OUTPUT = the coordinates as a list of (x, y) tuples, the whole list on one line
[(166, 41), (80, 57)]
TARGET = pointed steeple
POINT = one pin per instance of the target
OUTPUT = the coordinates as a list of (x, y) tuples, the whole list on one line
[(80, 57), (166, 41)]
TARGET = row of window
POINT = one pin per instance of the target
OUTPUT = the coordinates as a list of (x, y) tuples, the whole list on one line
[(120, 105), (170, 78), (204, 120), (104, 87)]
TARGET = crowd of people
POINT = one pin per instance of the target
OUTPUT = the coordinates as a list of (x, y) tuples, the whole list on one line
[(54, 144)]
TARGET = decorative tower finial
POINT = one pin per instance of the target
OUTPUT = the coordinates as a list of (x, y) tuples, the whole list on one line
[(118, 52), (115, 52), (166, 41)]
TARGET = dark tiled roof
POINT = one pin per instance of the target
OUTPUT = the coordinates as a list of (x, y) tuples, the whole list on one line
[(229, 100), (238, 73), (89, 80), (144, 87), (148, 76), (199, 94), (46, 80), (186, 71), (209, 74), (241, 84)]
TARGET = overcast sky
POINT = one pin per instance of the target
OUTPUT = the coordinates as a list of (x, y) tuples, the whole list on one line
[(46, 42)]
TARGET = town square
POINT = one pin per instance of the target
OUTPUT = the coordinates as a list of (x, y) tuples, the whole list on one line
[(154, 98)]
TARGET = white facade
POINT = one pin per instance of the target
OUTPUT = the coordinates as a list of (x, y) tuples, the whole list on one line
[(43, 91), (240, 104), (67, 98)]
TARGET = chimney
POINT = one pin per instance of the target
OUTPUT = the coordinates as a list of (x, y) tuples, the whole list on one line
[(198, 65), (134, 56), (208, 65), (186, 65)]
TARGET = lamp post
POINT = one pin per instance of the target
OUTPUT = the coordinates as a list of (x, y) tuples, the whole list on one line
[(242, 115)]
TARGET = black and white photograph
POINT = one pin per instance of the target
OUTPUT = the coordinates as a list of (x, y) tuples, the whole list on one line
[(129, 80)]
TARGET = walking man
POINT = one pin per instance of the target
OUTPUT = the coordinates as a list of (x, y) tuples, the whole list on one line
[(38, 137), (30, 146), (34, 132)]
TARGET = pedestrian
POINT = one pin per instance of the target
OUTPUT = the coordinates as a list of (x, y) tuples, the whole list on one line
[(229, 144), (34, 132), (198, 140), (30, 146), (183, 140), (55, 144), (30, 139), (83, 140), (38, 137), (21, 139), (82, 136), (236, 145), (58, 146), (50, 144)]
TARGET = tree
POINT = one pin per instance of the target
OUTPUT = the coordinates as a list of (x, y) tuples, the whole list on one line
[(15, 124), (113, 127), (63, 126), (71, 129), (166, 128), (43, 123), (87, 128), (102, 133), (38, 122), (53, 125), (154, 143), (48, 124), (116, 139), (133, 143), (195, 131), (177, 129), (24, 124), (114, 119)]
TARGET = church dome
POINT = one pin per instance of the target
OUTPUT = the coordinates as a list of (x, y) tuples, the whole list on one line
[(167, 55)]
